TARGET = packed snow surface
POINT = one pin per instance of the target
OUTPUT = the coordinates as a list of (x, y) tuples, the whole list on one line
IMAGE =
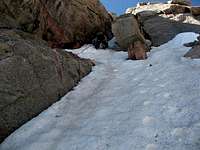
[(123, 105)]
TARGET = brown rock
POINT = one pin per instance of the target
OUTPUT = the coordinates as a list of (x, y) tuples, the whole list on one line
[(127, 31), (137, 51), (62, 23), (33, 77)]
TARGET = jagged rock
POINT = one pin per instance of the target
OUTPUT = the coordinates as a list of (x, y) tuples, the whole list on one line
[(33, 76), (126, 31), (63, 23)]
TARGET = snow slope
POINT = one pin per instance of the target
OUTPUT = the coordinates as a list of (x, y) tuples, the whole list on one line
[(123, 105)]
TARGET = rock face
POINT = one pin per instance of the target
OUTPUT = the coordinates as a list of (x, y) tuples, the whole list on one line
[(161, 29), (182, 2), (63, 23), (33, 77), (162, 22), (126, 31)]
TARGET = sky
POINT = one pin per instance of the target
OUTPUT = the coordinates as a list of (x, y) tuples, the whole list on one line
[(119, 6)]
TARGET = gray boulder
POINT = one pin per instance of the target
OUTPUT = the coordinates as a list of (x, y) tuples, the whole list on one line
[(193, 53), (126, 30), (163, 28), (33, 77), (162, 22)]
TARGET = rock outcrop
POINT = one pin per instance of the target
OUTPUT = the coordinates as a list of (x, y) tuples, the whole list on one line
[(126, 30), (162, 22), (129, 37), (63, 23), (162, 28), (33, 77)]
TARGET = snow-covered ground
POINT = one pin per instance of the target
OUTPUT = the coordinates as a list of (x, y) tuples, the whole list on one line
[(123, 105)]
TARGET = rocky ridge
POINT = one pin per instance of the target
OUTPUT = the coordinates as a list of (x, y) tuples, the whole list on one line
[(162, 22), (154, 24)]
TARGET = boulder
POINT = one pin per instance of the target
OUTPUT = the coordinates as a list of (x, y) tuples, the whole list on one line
[(63, 23), (163, 28), (193, 53), (33, 76), (162, 22), (126, 30), (137, 51)]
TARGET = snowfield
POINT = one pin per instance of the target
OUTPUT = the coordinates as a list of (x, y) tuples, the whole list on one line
[(123, 105)]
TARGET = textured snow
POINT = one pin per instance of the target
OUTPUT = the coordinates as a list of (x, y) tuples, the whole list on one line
[(123, 105)]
